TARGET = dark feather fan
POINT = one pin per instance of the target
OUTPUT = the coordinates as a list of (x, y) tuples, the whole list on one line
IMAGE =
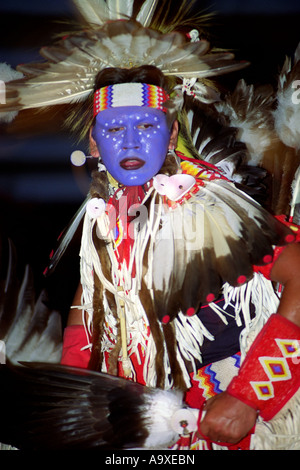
[(47, 407)]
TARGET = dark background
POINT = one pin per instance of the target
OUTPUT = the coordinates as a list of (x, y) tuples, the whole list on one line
[(39, 189)]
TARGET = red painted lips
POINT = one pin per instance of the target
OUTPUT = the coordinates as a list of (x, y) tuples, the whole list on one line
[(132, 163)]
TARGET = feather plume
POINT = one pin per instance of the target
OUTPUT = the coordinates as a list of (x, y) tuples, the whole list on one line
[(286, 124), (249, 110), (270, 136), (47, 407), (287, 114)]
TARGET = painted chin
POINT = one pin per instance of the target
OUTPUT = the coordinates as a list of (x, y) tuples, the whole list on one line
[(131, 164)]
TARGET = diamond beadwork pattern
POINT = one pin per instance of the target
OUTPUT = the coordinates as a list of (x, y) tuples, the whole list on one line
[(289, 347), (276, 368), (263, 390)]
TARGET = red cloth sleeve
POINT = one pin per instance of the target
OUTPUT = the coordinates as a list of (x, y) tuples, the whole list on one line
[(73, 354)]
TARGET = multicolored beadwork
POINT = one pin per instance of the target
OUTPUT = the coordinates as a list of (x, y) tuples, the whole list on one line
[(263, 378), (130, 94)]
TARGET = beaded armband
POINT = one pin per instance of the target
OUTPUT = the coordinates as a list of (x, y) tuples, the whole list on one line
[(270, 373)]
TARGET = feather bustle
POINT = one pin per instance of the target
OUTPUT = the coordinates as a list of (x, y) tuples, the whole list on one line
[(232, 233)]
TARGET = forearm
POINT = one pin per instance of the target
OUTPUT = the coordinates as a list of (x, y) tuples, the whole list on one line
[(76, 352), (75, 315)]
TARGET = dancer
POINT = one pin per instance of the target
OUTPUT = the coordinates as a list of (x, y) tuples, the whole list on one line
[(177, 262)]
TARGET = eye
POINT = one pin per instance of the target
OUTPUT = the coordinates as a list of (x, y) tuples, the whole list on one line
[(144, 126), (115, 129)]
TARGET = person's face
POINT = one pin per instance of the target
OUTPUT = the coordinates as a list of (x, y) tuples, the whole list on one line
[(133, 142)]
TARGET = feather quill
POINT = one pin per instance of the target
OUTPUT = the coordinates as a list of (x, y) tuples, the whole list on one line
[(67, 236)]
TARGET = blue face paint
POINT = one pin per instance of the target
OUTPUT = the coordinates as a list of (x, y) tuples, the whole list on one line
[(132, 141)]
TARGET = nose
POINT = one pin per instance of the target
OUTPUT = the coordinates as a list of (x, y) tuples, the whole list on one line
[(131, 140)]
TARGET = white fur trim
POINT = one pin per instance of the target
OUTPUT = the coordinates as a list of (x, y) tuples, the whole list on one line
[(282, 432)]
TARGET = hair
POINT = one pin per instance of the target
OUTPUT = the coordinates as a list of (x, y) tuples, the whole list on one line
[(143, 74), (81, 117)]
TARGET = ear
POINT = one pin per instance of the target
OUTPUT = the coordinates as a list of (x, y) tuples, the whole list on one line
[(174, 136), (93, 146)]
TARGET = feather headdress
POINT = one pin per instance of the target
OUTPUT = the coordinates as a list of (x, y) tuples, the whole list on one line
[(68, 73)]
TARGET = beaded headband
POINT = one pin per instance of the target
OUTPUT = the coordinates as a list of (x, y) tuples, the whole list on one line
[(129, 94)]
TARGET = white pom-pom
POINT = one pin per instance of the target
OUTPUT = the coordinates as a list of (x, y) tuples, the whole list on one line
[(95, 207), (78, 158)]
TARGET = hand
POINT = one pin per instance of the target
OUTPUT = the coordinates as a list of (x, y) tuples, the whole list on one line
[(227, 419)]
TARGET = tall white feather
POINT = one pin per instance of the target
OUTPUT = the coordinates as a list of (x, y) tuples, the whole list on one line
[(68, 235), (97, 12), (146, 12)]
